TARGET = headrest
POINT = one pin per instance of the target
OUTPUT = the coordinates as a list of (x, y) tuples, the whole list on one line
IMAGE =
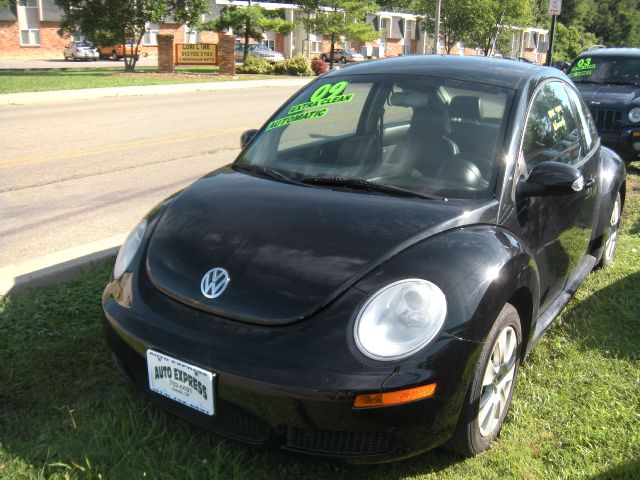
[(430, 122), (408, 99), (465, 107)]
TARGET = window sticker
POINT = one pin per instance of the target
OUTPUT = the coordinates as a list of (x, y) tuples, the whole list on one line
[(583, 67), (298, 117), (325, 95), (328, 94), (556, 115)]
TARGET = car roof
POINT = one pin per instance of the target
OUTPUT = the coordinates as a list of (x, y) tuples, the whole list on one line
[(612, 52), (492, 71)]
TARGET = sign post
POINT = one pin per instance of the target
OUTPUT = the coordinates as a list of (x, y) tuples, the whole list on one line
[(555, 7)]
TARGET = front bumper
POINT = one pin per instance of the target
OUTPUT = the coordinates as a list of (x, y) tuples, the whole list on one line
[(625, 143), (272, 389)]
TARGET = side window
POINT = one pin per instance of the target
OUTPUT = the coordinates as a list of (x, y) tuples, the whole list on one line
[(552, 132), (586, 123)]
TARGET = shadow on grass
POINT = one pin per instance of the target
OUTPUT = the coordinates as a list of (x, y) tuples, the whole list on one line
[(609, 320), (67, 411), (630, 471)]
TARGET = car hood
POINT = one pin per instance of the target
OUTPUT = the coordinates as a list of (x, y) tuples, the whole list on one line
[(609, 96), (288, 249)]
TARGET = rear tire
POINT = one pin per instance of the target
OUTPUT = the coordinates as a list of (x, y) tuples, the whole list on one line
[(611, 234), (489, 395), (343, 60)]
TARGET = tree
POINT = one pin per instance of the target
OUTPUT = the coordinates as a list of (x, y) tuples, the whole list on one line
[(250, 22), (570, 41), (124, 21), (491, 18), (456, 19), (339, 18)]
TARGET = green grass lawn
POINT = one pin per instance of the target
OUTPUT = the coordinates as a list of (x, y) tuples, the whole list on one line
[(65, 412), (71, 79)]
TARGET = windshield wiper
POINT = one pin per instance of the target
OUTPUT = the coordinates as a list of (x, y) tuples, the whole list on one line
[(270, 172), (362, 184), (621, 82), (595, 82)]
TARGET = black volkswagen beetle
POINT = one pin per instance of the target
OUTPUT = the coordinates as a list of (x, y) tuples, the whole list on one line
[(365, 279)]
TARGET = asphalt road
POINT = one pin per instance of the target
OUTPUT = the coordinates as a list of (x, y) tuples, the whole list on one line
[(80, 172)]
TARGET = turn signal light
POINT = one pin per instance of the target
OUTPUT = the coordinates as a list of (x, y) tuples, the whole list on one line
[(635, 134), (395, 398)]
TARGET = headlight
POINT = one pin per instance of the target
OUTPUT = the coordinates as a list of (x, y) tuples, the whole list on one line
[(400, 319), (634, 115), (128, 249)]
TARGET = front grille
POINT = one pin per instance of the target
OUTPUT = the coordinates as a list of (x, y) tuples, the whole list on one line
[(607, 120), (234, 422), (339, 443)]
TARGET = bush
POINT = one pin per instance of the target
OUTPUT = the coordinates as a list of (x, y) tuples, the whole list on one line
[(298, 66), (319, 66), (255, 65)]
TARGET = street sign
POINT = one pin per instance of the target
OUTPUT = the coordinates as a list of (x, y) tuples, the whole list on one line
[(555, 7)]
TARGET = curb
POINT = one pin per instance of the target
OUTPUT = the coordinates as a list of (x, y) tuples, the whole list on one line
[(58, 267), (55, 96)]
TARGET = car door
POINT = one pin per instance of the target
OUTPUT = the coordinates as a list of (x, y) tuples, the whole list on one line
[(558, 228)]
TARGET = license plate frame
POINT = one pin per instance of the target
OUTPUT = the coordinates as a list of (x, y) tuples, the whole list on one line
[(181, 382)]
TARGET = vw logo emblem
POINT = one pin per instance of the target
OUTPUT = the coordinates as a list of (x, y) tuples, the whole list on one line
[(214, 282)]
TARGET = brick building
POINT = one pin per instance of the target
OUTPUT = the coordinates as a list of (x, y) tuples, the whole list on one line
[(31, 31)]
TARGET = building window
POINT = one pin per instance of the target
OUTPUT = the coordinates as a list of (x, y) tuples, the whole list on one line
[(191, 36), (316, 43), (151, 34), (30, 37), (269, 43), (28, 3)]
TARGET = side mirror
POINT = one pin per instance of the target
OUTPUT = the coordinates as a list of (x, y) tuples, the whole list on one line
[(246, 137), (551, 178)]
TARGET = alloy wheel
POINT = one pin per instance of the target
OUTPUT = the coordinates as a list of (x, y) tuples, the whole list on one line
[(614, 221), (497, 382)]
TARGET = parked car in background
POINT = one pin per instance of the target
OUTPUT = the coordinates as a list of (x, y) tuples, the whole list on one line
[(609, 81), (343, 56), (364, 281), (116, 52), (81, 51), (258, 50)]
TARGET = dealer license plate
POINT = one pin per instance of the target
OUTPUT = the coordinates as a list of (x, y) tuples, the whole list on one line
[(187, 384)]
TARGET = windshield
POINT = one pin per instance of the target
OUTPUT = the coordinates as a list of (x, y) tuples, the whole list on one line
[(431, 136), (622, 70)]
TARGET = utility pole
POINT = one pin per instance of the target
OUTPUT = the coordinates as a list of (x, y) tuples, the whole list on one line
[(555, 6), (437, 32)]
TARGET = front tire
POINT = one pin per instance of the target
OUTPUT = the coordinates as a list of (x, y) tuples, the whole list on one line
[(114, 56), (489, 395), (343, 60)]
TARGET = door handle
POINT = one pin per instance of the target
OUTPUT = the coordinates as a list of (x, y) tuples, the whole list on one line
[(589, 182)]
